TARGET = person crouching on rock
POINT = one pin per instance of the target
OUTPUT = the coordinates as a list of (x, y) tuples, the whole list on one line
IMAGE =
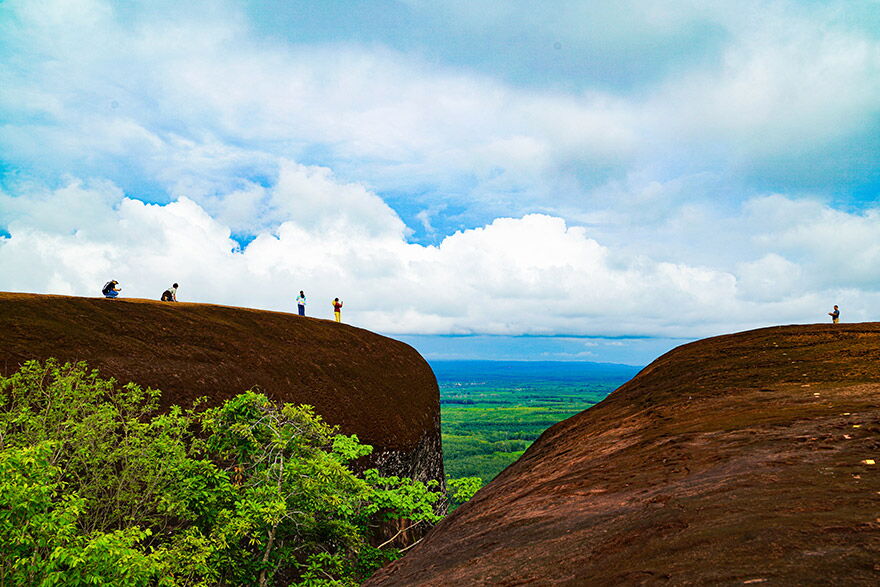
[(170, 294), (835, 315), (337, 310), (111, 289)]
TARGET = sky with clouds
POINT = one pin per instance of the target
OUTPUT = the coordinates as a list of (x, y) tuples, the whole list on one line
[(573, 180)]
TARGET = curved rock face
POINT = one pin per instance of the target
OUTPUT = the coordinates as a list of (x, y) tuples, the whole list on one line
[(741, 459), (378, 388)]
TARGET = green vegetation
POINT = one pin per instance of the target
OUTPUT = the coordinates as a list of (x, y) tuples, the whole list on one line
[(97, 489), (462, 489), (491, 413)]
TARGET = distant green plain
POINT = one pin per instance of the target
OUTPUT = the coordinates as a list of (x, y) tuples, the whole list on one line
[(490, 416)]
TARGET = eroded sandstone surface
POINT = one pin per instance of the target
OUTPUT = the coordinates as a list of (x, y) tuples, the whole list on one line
[(743, 459), (370, 385)]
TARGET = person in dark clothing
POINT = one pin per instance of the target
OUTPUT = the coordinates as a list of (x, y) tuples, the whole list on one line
[(111, 289), (170, 294), (835, 315)]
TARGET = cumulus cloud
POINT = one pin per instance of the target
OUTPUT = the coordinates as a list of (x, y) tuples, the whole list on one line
[(146, 144), (534, 274), (201, 100), (780, 93), (200, 106), (191, 101), (833, 246)]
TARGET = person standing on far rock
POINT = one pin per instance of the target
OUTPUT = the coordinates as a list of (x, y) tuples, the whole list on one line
[(337, 310), (835, 315), (301, 303)]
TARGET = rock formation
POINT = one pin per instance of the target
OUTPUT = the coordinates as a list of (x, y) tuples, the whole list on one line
[(378, 388), (743, 459)]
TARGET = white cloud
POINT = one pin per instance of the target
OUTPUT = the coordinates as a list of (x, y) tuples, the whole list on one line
[(197, 106), (200, 105), (834, 247), (196, 111), (528, 275), (770, 278), (790, 92)]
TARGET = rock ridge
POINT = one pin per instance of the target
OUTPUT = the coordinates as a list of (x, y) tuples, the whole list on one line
[(739, 459), (378, 388)]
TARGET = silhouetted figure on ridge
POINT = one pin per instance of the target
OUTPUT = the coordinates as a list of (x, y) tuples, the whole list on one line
[(337, 310)]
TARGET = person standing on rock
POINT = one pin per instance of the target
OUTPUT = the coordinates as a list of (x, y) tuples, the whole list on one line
[(170, 294), (111, 289), (337, 310), (301, 303), (835, 315)]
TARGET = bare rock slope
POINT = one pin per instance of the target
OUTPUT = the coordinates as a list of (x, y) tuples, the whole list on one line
[(741, 459), (378, 388)]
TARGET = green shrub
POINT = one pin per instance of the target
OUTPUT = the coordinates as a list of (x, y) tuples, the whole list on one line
[(98, 488), (42, 542), (462, 489)]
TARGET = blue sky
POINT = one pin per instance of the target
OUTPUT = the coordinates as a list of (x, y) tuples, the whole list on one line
[(518, 180)]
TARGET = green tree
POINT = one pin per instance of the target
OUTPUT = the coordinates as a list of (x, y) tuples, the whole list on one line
[(293, 497), (101, 437), (242, 493), (461, 490), (42, 543)]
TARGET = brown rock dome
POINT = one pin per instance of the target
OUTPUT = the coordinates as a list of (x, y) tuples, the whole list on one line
[(741, 459), (376, 387)]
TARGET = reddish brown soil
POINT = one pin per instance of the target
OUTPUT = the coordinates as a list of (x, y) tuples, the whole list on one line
[(735, 460), (378, 388)]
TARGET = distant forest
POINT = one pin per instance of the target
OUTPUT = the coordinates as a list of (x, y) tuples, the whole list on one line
[(493, 410)]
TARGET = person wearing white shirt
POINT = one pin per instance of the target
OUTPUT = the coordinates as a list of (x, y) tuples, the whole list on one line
[(170, 294)]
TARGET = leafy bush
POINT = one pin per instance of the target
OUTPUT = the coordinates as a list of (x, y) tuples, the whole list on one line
[(42, 544), (95, 487), (462, 490)]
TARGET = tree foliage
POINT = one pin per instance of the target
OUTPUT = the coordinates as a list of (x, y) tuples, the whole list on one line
[(97, 488), (462, 490), (42, 543)]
